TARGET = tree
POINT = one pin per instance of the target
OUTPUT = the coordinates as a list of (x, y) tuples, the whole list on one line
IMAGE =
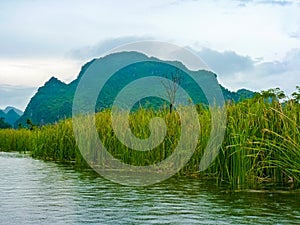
[(3, 124), (171, 86), (273, 94), (30, 124), (296, 94)]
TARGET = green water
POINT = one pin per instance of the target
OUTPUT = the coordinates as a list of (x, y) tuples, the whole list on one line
[(37, 192)]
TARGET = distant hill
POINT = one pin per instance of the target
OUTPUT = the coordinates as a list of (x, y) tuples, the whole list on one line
[(3, 124), (18, 111), (10, 115), (53, 101)]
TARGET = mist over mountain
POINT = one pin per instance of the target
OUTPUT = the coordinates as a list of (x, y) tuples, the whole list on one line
[(54, 100)]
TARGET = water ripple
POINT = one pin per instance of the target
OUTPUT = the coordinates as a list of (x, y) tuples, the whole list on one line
[(37, 192)]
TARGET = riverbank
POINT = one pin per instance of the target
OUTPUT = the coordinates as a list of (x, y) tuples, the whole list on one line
[(261, 144)]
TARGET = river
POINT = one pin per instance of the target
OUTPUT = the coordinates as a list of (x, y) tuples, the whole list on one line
[(38, 192)]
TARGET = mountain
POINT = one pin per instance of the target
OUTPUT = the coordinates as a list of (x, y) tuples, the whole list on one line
[(54, 100), (18, 111), (51, 103), (3, 124), (244, 93), (10, 115)]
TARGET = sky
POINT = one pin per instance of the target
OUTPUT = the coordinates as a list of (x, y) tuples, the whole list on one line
[(253, 44)]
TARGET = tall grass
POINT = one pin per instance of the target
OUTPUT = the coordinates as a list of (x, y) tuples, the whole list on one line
[(261, 144), (16, 140)]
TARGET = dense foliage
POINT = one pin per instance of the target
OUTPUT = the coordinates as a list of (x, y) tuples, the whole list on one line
[(261, 145), (3, 124)]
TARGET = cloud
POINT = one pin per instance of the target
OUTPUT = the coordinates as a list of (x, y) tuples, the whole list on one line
[(272, 68), (279, 2), (244, 2), (45, 29), (285, 68), (295, 33), (236, 71), (226, 63), (17, 96), (94, 51), (266, 2)]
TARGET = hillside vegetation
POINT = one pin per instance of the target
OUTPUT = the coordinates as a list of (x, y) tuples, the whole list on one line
[(53, 101)]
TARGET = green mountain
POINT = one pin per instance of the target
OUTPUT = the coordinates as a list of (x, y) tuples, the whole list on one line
[(3, 124), (10, 115), (18, 111), (54, 100)]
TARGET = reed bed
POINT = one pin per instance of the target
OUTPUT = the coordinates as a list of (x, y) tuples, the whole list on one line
[(261, 144)]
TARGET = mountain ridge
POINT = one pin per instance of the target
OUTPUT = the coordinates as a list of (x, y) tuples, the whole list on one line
[(10, 115), (8, 108), (53, 101)]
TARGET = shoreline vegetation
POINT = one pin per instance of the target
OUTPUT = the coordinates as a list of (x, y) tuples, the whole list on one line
[(261, 144)]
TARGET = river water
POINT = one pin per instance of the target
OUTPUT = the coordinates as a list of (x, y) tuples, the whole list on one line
[(38, 192)]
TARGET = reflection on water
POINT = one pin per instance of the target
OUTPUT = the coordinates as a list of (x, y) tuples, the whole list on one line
[(36, 192)]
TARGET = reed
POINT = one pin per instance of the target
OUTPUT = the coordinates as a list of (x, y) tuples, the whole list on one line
[(261, 144)]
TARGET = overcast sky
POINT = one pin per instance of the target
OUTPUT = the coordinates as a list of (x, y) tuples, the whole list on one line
[(253, 44)]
